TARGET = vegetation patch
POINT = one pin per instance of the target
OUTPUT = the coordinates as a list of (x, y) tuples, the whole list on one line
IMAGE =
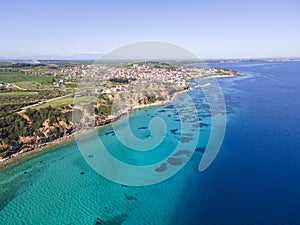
[(20, 77), (18, 93)]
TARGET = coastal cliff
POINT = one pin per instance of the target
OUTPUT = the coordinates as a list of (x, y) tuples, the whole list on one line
[(34, 128)]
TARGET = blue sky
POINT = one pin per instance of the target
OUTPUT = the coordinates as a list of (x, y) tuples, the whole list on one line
[(210, 29)]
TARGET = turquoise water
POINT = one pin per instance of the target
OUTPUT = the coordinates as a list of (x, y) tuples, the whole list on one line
[(59, 187), (255, 178)]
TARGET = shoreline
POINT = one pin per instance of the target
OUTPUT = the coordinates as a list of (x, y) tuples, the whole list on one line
[(20, 156)]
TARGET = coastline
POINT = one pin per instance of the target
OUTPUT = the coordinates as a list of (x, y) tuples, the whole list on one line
[(23, 155)]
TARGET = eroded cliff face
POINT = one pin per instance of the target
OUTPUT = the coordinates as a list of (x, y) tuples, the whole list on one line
[(30, 138), (36, 128)]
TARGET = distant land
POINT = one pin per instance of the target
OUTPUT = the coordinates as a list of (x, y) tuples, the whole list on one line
[(93, 57)]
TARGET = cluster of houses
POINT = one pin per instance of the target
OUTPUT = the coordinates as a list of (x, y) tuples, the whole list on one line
[(144, 72), (137, 74)]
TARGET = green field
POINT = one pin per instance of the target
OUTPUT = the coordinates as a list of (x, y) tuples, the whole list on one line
[(72, 85), (66, 101), (18, 93), (57, 103), (4, 64), (25, 80)]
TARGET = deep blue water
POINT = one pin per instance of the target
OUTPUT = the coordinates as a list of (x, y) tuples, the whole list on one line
[(255, 178)]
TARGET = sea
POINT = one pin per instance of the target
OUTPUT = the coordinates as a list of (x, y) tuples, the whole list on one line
[(253, 179)]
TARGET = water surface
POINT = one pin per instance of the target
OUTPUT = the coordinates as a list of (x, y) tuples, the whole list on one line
[(255, 178)]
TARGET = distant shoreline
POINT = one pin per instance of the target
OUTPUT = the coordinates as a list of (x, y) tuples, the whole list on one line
[(21, 156)]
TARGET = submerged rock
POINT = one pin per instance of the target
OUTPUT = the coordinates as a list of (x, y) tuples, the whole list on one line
[(142, 128), (162, 167), (200, 149), (114, 220), (185, 139), (176, 161), (183, 152), (130, 197)]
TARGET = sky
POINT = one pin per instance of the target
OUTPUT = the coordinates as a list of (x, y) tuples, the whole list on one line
[(210, 29)]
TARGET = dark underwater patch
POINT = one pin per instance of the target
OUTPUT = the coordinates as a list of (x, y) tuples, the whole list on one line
[(174, 131), (142, 128), (169, 107), (185, 139), (162, 167), (183, 152), (200, 149), (110, 132), (115, 220), (130, 197), (176, 161)]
